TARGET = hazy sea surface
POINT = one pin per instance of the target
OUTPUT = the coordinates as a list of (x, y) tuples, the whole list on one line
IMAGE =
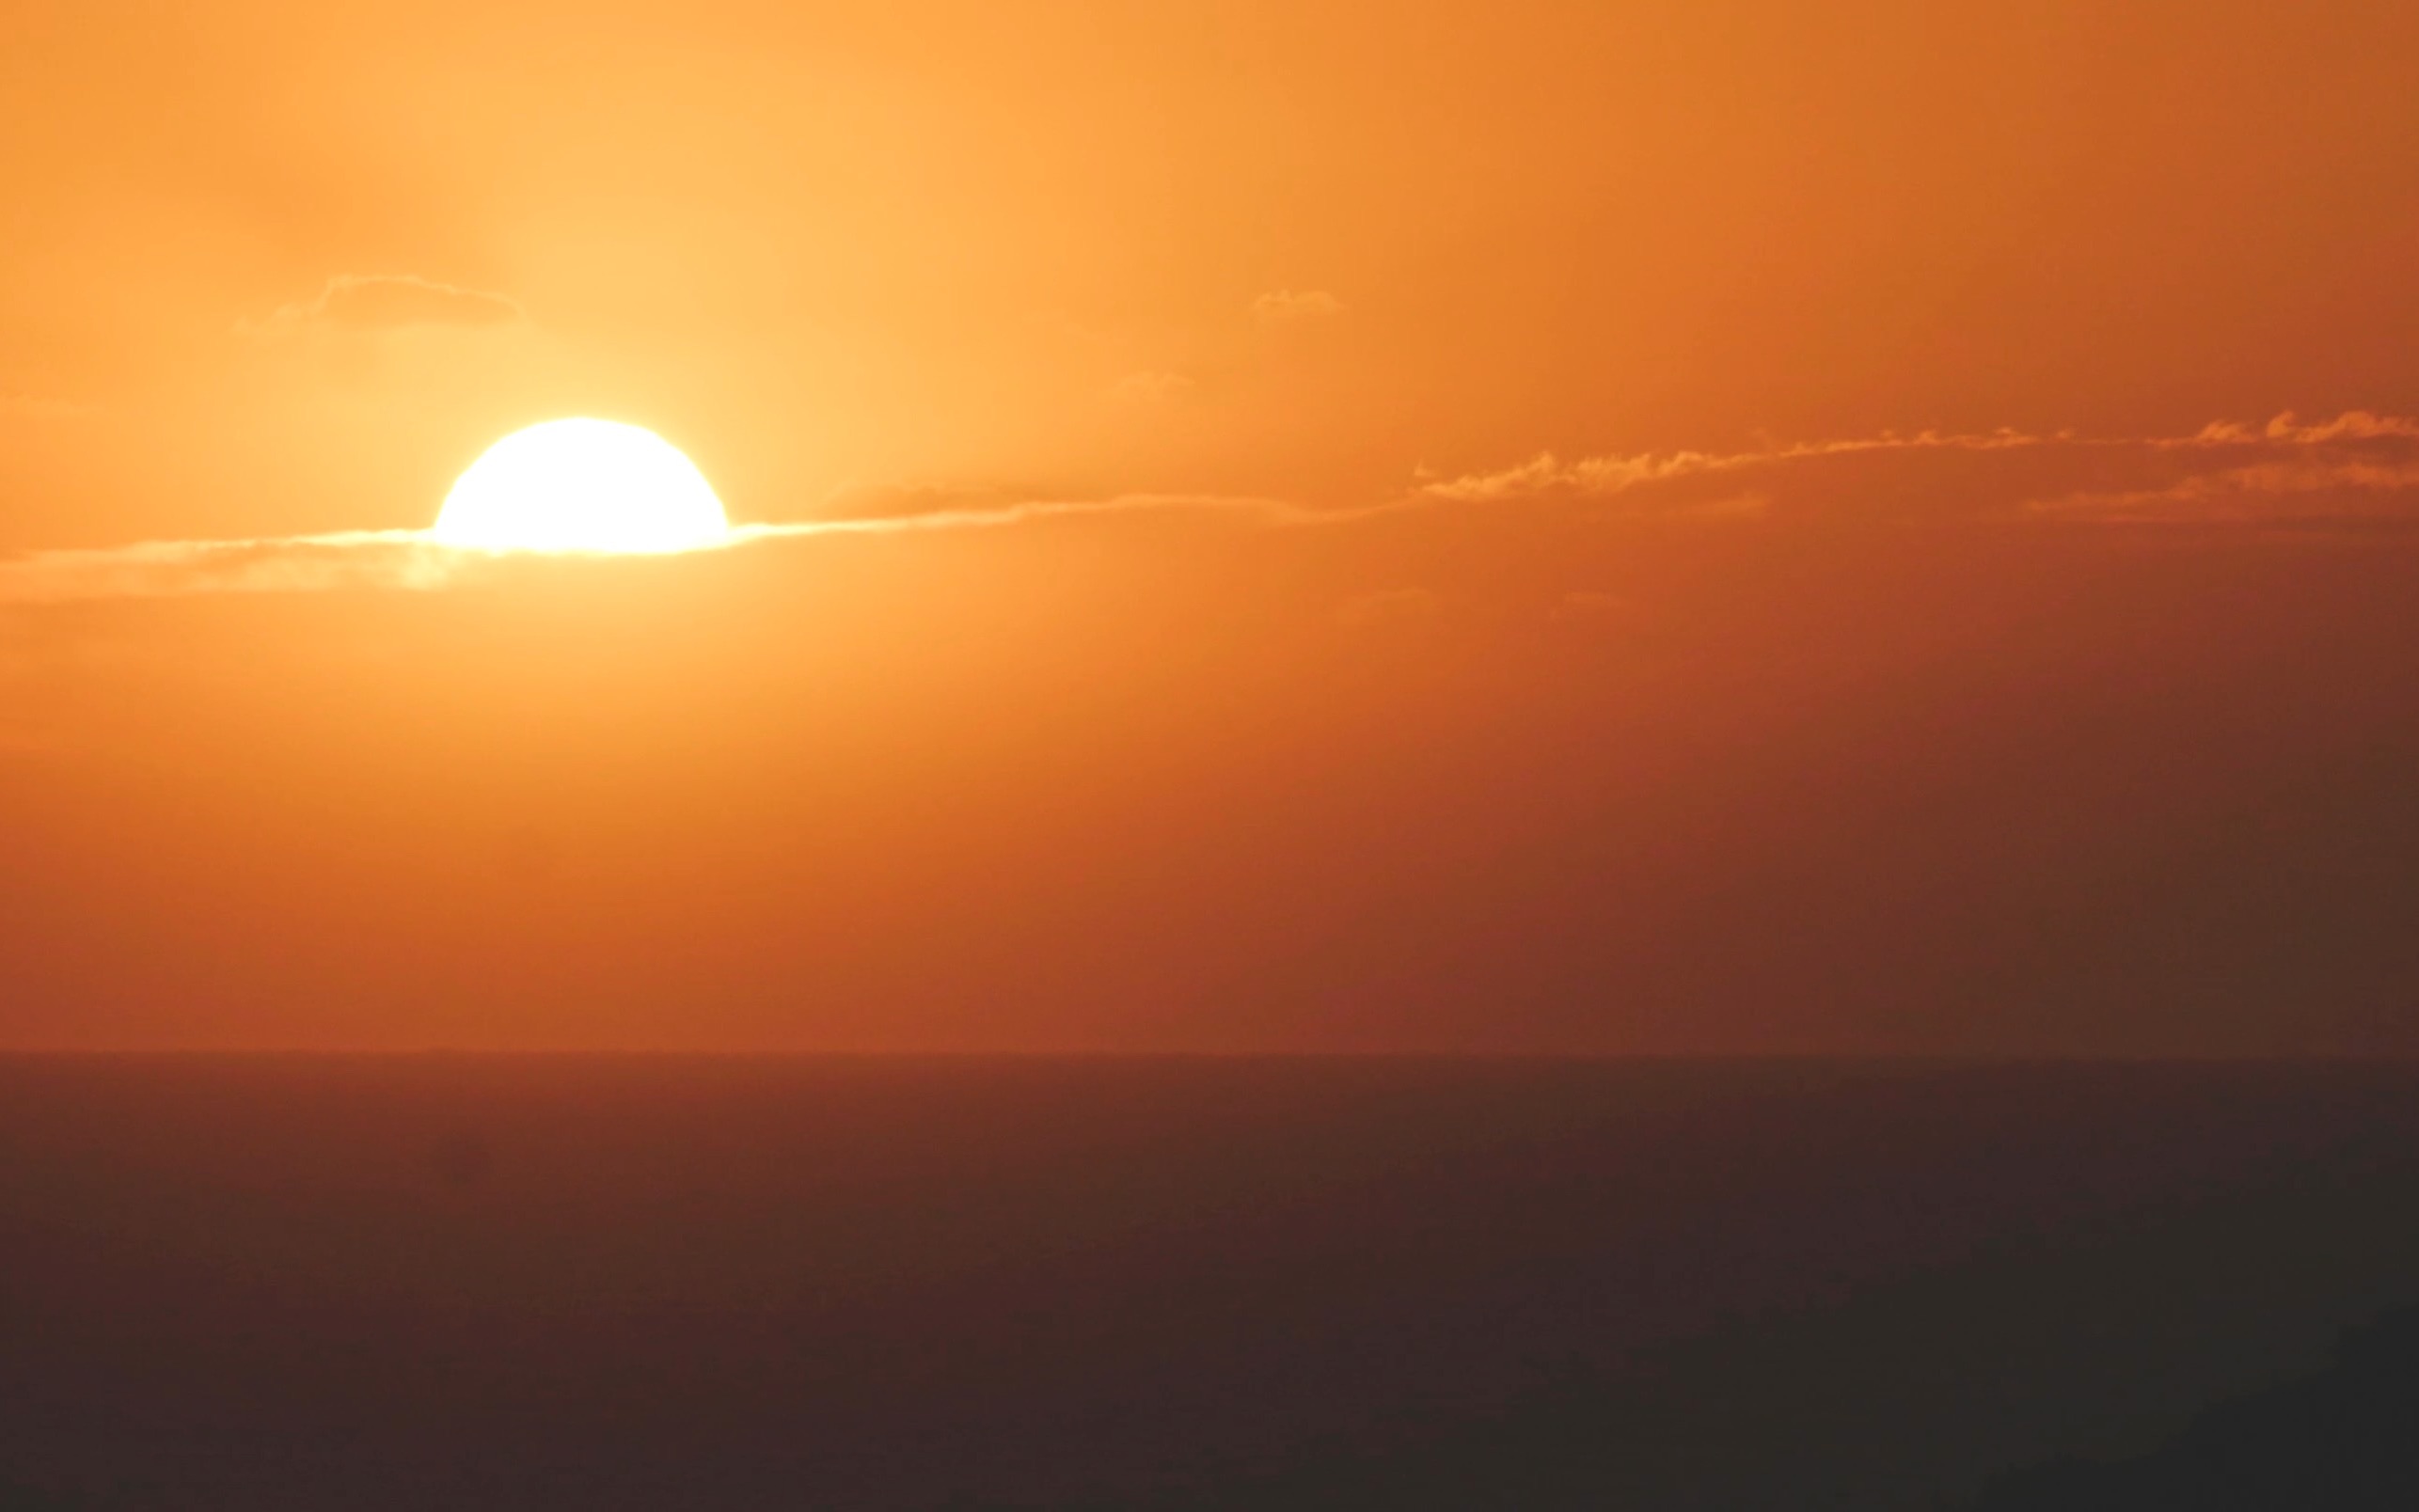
[(651, 1283)]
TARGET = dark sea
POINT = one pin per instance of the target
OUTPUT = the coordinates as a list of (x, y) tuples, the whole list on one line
[(461, 1283)]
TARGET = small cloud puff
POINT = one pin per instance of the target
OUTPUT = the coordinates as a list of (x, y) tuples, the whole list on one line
[(1287, 308), (1586, 607), (1392, 605), (388, 302), (1150, 388), (39, 407)]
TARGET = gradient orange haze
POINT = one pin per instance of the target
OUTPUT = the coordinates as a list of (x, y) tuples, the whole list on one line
[(1560, 526)]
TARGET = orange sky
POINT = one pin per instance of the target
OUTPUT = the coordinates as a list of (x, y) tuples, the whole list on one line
[(1603, 527)]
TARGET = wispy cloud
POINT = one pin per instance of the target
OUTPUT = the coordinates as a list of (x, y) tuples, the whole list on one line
[(2286, 430), (994, 515), (1287, 308), (41, 407), (2360, 463), (271, 564), (1391, 606), (412, 560), (1150, 388), (2269, 493), (1546, 473), (386, 301)]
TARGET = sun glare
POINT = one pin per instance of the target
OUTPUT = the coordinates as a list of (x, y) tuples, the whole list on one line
[(582, 486)]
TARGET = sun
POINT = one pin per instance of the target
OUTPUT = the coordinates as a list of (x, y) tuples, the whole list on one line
[(582, 486)]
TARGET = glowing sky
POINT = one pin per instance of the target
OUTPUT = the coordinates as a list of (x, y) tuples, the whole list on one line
[(1524, 526)]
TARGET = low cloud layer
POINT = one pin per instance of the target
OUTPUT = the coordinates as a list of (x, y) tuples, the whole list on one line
[(2358, 469)]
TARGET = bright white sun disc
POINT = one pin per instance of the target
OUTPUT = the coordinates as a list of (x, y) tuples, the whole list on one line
[(582, 486)]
